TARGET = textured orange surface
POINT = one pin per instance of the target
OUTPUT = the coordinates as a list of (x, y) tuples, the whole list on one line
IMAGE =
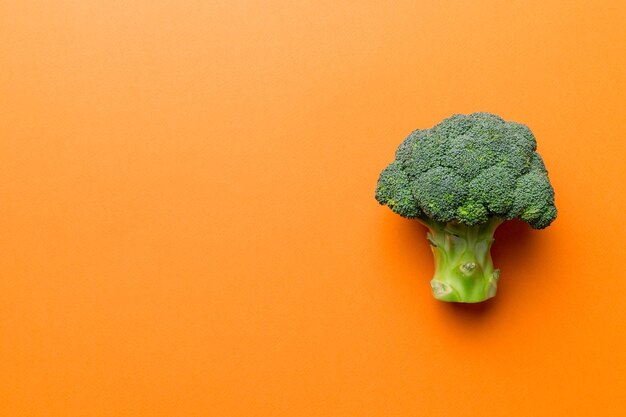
[(188, 224)]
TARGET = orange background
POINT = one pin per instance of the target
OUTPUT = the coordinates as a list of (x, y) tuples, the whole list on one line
[(188, 224)]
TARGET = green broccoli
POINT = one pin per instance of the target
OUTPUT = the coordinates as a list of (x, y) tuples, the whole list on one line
[(462, 179)]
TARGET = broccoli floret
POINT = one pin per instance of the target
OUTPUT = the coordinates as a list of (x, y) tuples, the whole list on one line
[(395, 190), (462, 178)]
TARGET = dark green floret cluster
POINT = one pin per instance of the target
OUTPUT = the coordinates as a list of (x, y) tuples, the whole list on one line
[(469, 169), (462, 179)]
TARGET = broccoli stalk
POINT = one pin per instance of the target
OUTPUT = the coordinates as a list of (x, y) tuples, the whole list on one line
[(461, 179), (464, 271)]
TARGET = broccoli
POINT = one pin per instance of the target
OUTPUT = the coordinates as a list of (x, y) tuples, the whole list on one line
[(461, 179)]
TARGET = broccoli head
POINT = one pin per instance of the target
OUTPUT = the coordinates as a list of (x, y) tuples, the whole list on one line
[(461, 179)]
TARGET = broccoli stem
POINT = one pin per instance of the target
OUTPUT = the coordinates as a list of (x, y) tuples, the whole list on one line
[(464, 271)]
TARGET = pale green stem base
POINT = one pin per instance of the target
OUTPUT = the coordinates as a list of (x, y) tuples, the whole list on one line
[(464, 271)]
